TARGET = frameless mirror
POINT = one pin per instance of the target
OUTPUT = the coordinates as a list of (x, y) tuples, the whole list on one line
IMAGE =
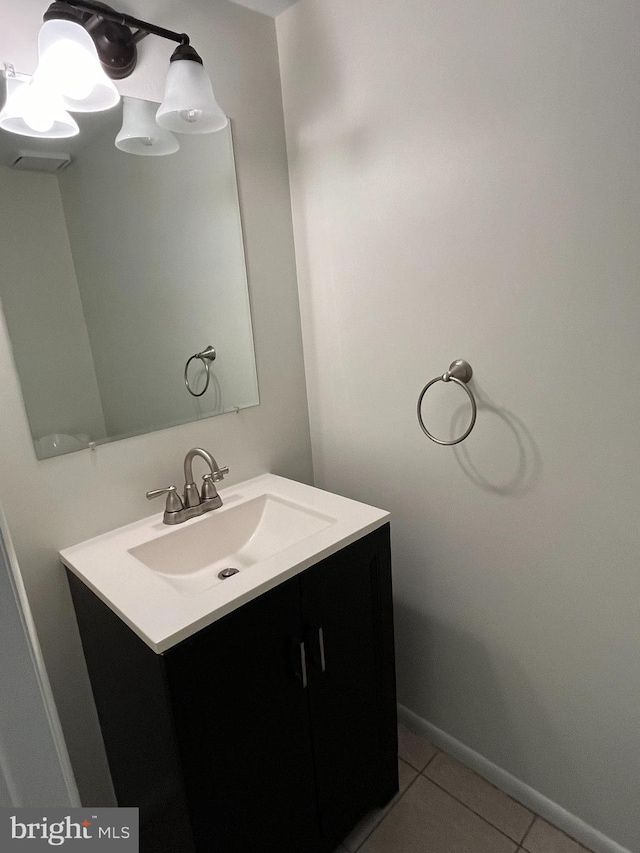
[(115, 269)]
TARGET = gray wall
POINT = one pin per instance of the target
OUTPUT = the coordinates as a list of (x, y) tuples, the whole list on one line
[(34, 766), (41, 304), (466, 184), (57, 502)]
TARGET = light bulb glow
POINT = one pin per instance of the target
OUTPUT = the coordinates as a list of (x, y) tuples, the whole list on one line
[(38, 121), (190, 115), (33, 109), (69, 63), (38, 116), (70, 68)]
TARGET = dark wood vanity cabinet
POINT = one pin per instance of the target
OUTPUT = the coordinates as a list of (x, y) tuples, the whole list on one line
[(273, 730)]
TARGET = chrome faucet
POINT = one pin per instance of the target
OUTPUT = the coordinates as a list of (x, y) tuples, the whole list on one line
[(194, 502)]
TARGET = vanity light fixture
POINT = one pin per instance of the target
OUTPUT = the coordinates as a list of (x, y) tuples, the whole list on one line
[(83, 46), (189, 104), (141, 134)]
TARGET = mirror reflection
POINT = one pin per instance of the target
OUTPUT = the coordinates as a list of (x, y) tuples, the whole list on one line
[(116, 269)]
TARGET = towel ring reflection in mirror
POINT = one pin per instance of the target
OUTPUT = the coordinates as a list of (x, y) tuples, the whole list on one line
[(459, 372), (206, 357)]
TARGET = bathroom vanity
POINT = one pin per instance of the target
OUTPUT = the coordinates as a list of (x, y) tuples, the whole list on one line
[(268, 723)]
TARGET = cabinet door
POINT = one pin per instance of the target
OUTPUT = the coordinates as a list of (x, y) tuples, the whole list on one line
[(242, 722), (348, 624), (128, 682)]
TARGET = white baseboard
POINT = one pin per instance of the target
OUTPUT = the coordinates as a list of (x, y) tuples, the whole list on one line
[(532, 799)]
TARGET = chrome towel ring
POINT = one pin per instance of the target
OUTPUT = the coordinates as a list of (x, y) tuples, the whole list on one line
[(206, 357), (459, 372)]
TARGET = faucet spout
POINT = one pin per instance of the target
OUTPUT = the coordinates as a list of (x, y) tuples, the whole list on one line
[(192, 497), (188, 463)]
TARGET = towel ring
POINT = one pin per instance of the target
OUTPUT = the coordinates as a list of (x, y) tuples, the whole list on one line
[(206, 357), (459, 372)]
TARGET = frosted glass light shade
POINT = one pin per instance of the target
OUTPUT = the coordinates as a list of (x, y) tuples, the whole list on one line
[(189, 105), (33, 110), (140, 132), (69, 64)]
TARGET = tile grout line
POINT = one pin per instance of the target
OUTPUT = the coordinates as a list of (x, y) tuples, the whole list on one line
[(421, 773), (524, 837), (413, 767), (488, 782), (402, 793), (557, 828), (519, 849), (477, 814), (433, 758), (535, 815)]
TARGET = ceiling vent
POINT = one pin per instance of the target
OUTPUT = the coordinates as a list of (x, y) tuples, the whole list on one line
[(35, 161)]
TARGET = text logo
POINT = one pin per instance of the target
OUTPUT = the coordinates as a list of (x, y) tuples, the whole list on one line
[(75, 829)]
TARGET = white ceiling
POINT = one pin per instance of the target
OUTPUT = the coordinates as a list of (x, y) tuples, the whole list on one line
[(267, 7)]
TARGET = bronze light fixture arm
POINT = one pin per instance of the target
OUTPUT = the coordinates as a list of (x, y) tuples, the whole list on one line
[(144, 28), (115, 34)]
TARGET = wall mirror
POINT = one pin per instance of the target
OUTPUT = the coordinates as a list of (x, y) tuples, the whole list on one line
[(114, 271)]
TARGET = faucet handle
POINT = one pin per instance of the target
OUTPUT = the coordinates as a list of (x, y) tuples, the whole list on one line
[(210, 495), (174, 504), (208, 488), (219, 474)]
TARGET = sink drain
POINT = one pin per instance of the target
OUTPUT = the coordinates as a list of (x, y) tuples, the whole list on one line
[(227, 573)]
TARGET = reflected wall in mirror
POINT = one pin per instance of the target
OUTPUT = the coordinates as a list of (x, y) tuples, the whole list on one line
[(113, 272)]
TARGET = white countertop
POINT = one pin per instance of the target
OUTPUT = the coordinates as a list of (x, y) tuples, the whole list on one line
[(162, 615)]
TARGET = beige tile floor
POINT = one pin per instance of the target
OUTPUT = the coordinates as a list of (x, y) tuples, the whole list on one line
[(443, 807)]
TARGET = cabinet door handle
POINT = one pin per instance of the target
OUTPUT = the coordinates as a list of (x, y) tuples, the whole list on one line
[(303, 666), (315, 643), (323, 663), (298, 661)]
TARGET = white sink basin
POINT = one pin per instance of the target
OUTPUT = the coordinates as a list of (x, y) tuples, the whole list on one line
[(190, 559), (163, 581)]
